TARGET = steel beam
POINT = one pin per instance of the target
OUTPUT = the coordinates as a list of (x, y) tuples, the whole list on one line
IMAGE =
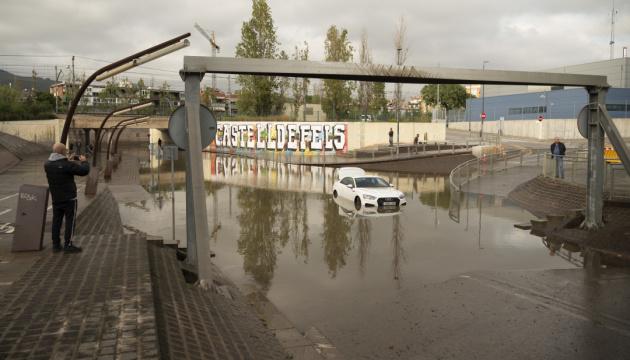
[(615, 138), (595, 172), (383, 73), (198, 252)]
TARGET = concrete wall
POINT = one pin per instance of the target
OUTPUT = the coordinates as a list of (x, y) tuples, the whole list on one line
[(47, 132), (546, 129), (44, 132), (363, 134)]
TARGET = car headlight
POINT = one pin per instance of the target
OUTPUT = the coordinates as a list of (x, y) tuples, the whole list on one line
[(402, 196), (369, 197)]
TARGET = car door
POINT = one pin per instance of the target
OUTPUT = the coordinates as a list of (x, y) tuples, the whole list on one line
[(346, 191)]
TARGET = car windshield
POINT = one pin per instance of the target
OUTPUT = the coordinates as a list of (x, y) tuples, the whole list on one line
[(370, 182)]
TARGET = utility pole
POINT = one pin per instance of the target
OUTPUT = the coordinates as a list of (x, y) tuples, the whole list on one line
[(229, 95), (33, 86), (73, 72), (398, 62), (612, 31), (483, 99)]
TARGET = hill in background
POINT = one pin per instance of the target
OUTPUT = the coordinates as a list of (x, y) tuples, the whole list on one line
[(24, 82)]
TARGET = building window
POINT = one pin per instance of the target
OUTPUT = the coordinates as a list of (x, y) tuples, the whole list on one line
[(515, 111), (617, 107), (308, 110)]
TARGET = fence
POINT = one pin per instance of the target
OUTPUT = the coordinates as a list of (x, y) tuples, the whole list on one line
[(616, 180)]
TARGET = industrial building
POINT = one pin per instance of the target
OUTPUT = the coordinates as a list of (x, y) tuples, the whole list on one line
[(544, 102)]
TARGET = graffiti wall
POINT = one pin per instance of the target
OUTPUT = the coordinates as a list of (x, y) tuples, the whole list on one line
[(283, 136)]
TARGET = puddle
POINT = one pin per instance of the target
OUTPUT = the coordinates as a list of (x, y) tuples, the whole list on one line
[(276, 228)]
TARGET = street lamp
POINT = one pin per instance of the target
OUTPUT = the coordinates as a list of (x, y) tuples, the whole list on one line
[(398, 62), (117, 67), (99, 132), (483, 99)]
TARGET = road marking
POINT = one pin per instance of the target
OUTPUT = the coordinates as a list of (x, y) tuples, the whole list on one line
[(8, 197), (5, 211)]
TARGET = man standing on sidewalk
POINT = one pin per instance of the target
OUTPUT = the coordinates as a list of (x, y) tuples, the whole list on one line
[(60, 172), (391, 137), (557, 151)]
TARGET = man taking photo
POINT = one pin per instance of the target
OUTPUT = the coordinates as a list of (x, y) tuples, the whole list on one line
[(60, 172)]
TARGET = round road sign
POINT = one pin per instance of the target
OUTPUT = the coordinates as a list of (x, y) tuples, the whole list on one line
[(541, 118), (177, 127), (582, 122), (483, 115)]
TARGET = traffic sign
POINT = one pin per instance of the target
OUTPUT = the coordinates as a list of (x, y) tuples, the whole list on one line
[(483, 115), (582, 122), (177, 126), (541, 118)]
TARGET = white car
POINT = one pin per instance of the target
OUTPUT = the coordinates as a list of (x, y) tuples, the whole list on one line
[(365, 212), (366, 191)]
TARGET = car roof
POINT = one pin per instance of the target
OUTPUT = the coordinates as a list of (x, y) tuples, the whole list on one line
[(350, 172)]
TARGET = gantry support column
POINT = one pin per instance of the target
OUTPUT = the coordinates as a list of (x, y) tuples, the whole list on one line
[(198, 253), (596, 165)]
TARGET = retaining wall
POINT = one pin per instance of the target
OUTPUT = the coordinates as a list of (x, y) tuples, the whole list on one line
[(542, 130)]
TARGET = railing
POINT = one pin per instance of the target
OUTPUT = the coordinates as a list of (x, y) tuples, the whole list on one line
[(322, 158), (492, 163), (616, 180)]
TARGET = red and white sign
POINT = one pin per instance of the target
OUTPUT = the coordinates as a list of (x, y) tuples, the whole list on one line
[(483, 115), (541, 118)]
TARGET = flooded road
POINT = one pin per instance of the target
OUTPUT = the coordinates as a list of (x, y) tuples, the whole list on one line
[(359, 279)]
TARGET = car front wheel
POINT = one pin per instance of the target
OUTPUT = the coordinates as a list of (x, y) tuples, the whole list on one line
[(357, 203)]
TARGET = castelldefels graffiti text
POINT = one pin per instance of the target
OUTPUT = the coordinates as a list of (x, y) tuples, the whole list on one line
[(283, 136)]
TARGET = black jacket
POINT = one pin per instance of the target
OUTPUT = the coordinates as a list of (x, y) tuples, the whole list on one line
[(563, 149), (60, 173)]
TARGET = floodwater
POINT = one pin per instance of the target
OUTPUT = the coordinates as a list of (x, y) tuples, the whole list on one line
[(275, 228)]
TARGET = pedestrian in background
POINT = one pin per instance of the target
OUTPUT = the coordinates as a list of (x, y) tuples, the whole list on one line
[(391, 137), (416, 139), (60, 172), (557, 152)]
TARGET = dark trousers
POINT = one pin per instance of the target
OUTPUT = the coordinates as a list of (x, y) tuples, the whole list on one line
[(67, 209)]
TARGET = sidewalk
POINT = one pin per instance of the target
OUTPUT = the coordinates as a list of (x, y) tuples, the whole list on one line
[(100, 304)]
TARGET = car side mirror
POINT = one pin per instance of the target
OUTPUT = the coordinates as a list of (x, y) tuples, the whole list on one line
[(350, 186)]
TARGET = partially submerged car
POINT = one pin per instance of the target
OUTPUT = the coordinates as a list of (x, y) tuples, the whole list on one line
[(366, 190)]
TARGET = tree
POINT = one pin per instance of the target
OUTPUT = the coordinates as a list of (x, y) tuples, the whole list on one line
[(337, 93), (299, 86), (401, 57), (379, 101), (365, 91), (259, 94), (452, 96)]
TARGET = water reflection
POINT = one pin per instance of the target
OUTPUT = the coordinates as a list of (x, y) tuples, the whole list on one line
[(335, 236), (278, 223)]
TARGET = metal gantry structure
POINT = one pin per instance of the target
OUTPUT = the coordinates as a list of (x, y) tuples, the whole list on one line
[(599, 121)]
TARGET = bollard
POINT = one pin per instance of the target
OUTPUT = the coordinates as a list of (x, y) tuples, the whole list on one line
[(438, 146), (453, 148), (91, 182), (108, 169)]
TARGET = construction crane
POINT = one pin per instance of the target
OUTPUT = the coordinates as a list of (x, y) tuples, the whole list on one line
[(213, 45)]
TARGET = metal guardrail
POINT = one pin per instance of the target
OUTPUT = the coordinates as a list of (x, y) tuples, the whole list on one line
[(323, 158), (616, 185)]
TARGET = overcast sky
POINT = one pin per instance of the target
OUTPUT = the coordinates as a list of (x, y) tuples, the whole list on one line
[(518, 34)]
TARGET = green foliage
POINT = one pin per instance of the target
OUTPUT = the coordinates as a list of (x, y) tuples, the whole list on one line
[(378, 105), (260, 95), (337, 93), (14, 107), (452, 96), (299, 86)]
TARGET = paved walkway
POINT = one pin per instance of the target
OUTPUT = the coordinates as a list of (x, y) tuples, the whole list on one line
[(99, 304)]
